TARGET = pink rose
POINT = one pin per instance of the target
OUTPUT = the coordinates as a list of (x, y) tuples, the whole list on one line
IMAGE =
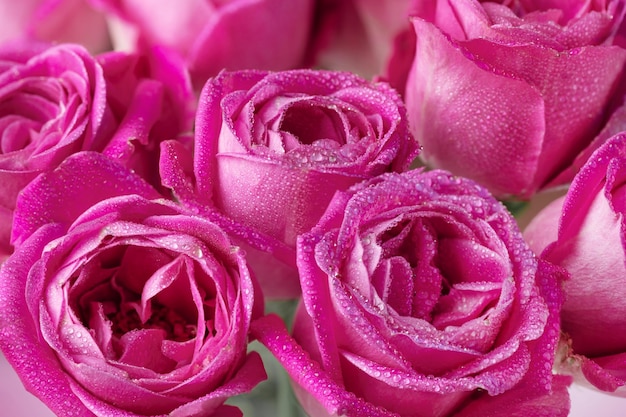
[(271, 149), (118, 302), (584, 233), (421, 298), (54, 21), (58, 100), (516, 98), (215, 35)]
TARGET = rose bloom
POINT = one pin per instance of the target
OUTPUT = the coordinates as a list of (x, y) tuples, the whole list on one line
[(54, 20), (117, 302), (584, 232), (271, 149), (420, 298), (214, 35), (58, 100), (516, 97)]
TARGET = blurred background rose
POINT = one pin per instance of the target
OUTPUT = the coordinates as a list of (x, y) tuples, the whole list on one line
[(213, 35), (73, 21), (358, 35)]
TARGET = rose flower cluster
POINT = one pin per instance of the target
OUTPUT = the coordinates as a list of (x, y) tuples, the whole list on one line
[(438, 186)]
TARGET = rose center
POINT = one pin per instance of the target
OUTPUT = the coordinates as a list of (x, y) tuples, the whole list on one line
[(434, 271), (312, 123), (164, 318)]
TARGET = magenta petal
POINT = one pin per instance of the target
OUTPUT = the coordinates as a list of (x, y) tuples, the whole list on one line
[(400, 292), (143, 112), (461, 305), (208, 128), (315, 383), (97, 172), (553, 404), (122, 392), (143, 349), (615, 125), (431, 358), (248, 376), (591, 29), (19, 338), (6, 220), (176, 168), (420, 392), (598, 376), (442, 100), (471, 262), (572, 115), (539, 378), (267, 189), (314, 286)]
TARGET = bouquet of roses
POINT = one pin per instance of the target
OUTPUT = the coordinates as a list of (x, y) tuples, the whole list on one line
[(404, 208)]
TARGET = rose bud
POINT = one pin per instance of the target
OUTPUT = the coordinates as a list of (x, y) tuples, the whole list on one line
[(584, 233), (118, 302), (59, 100), (420, 298), (271, 149), (516, 98), (210, 36)]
